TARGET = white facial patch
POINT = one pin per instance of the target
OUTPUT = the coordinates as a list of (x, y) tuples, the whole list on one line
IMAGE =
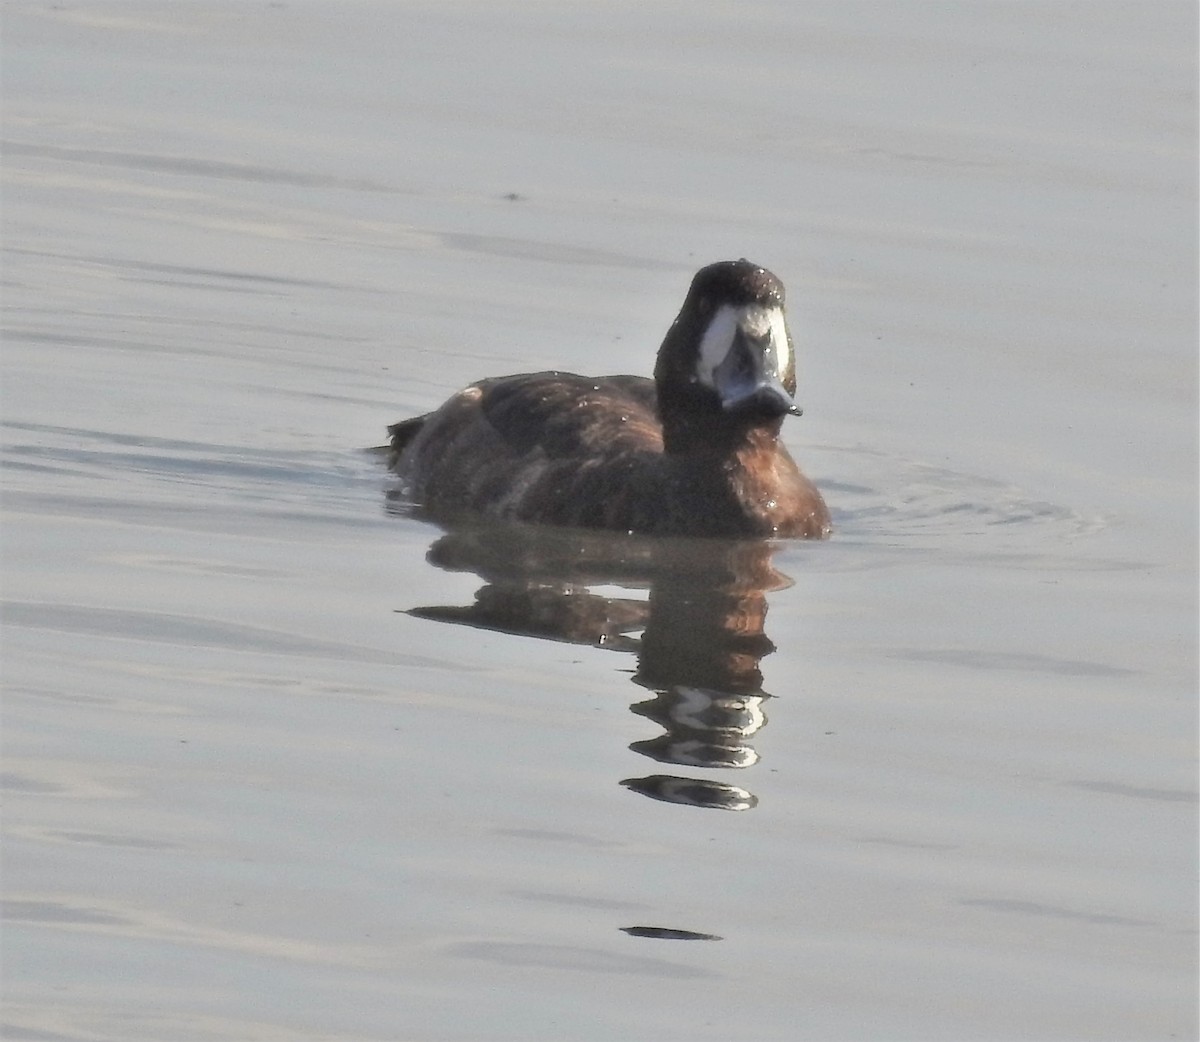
[(756, 321), (715, 345), (780, 341)]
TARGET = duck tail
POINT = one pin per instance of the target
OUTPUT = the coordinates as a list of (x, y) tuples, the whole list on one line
[(401, 434)]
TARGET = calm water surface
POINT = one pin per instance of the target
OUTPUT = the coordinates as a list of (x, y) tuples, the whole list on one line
[(284, 762)]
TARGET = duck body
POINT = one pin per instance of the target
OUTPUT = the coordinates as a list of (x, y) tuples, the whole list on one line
[(694, 452)]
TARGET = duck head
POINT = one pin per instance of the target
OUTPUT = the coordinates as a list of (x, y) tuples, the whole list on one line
[(727, 363)]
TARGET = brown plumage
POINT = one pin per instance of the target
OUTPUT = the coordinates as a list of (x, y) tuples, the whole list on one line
[(694, 452)]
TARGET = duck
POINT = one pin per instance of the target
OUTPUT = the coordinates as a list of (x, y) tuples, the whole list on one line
[(695, 451)]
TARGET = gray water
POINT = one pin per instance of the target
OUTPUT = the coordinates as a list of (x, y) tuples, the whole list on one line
[(284, 763)]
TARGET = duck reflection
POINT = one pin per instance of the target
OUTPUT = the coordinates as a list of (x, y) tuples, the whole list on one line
[(691, 610)]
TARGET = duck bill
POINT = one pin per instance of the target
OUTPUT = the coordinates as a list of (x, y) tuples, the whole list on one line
[(748, 381)]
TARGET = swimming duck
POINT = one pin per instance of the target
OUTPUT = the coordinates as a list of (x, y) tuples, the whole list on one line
[(693, 452)]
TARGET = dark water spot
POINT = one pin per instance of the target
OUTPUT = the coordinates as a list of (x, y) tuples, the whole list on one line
[(665, 933)]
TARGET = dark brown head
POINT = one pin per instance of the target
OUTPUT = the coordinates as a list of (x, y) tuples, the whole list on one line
[(726, 364)]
